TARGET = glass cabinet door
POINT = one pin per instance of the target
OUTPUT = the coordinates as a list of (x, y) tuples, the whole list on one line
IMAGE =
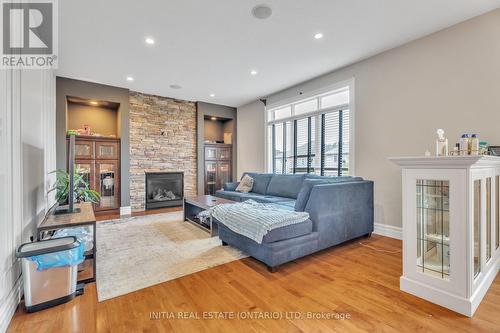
[(224, 153), (84, 149), (224, 171), (497, 212), (107, 150), (210, 153), (433, 227), (210, 177), (488, 218), (86, 169), (107, 176), (477, 226)]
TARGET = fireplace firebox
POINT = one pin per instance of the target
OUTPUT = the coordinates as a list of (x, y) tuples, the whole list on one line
[(164, 189)]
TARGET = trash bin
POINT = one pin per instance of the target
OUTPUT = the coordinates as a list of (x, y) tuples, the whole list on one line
[(50, 269)]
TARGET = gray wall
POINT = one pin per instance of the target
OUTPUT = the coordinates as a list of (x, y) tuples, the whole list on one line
[(251, 138), (76, 88), (215, 110), (449, 80)]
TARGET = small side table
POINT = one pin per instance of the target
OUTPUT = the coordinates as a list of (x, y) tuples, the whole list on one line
[(85, 217), (194, 205)]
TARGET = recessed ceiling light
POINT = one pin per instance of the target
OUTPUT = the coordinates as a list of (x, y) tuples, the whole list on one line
[(318, 35), (150, 40), (175, 86), (253, 72), (212, 95), (214, 118), (94, 103), (130, 79), (262, 12)]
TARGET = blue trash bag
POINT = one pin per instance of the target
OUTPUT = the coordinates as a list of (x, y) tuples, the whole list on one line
[(59, 259), (83, 234)]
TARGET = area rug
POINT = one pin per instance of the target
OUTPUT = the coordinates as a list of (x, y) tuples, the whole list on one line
[(138, 252)]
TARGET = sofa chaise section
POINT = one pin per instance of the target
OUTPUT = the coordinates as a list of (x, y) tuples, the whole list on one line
[(340, 209)]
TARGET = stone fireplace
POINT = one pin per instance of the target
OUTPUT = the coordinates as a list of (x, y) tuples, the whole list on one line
[(162, 140), (164, 189)]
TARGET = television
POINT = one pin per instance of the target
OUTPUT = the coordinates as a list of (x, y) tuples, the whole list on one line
[(70, 207)]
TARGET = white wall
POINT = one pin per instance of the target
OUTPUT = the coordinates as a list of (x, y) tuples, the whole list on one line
[(449, 80), (251, 140), (27, 150)]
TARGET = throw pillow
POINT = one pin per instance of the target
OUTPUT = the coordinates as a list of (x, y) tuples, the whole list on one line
[(246, 184)]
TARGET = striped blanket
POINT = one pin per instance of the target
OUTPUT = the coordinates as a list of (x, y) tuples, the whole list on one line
[(254, 220)]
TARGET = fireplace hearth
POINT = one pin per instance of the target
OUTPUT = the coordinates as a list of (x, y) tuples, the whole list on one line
[(164, 189)]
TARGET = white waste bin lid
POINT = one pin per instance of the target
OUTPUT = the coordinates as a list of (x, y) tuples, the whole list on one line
[(47, 246)]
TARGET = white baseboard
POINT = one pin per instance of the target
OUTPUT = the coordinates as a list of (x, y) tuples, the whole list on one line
[(437, 296), (127, 210), (8, 307), (388, 230)]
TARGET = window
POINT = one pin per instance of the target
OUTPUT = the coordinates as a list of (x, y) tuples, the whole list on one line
[(282, 113), (311, 135)]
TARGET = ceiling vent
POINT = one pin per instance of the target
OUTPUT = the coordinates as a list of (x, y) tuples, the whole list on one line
[(262, 12)]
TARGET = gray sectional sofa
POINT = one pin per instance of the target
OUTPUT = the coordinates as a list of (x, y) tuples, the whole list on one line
[(340, 209)]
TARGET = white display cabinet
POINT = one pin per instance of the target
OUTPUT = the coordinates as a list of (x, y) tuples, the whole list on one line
[(451, 228)]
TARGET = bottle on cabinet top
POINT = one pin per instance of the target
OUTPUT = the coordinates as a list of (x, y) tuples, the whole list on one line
[(441, 144), (474, 145), (464, 145)]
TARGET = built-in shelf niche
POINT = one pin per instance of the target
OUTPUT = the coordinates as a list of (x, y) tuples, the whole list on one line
[(218, 130), (101, 116)]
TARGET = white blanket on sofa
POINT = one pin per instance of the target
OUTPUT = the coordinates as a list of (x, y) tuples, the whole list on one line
[(254, 220)]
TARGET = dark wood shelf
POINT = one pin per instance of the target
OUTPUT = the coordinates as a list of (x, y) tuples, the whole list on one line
[(218, 144), (85, 217), (95, 137), (86, 271)]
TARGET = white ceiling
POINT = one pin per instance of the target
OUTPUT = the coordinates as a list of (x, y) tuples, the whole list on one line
[(210, 46)]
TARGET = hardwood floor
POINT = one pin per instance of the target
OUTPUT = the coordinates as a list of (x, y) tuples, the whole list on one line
[(349, 279)]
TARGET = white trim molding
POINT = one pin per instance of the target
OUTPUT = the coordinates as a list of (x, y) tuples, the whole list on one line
[(9, 306), (126, 210), (388, 230), (311, 93), (27, 124), (338, 87)]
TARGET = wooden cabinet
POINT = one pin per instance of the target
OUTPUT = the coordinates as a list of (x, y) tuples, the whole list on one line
[(217, 167), (98, 160)]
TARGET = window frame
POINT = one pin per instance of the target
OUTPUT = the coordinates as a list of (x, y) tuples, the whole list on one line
[(314, 94)]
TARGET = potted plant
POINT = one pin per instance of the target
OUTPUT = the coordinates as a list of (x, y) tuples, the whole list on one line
[(81, 188)]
